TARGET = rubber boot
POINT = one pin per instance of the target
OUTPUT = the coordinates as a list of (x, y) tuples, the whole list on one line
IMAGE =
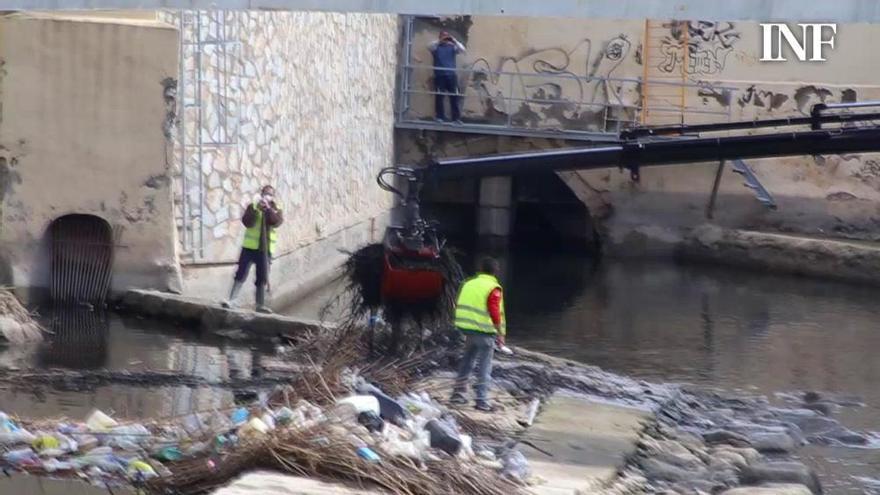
[(261, 300), (236, 288)]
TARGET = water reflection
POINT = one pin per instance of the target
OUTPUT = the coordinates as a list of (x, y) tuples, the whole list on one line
[(85, 341), (78, 340)]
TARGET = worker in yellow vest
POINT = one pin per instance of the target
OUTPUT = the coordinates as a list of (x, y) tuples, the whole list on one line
[(261, 218), (479, 315)]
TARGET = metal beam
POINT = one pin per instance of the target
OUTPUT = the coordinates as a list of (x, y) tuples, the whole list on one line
[(740, 10), (632, 155)]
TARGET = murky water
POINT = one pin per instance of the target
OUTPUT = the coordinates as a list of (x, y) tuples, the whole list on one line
[(714, 326), (86, 342)]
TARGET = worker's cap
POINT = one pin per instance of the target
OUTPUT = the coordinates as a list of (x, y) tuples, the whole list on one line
[(444, 35)]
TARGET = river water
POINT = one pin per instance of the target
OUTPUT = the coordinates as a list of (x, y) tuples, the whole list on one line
[(738, 330), (741, 331)]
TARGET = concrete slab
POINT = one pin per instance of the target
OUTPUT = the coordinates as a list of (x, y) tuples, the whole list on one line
[(210, 315), (269, 483), (580, 443)]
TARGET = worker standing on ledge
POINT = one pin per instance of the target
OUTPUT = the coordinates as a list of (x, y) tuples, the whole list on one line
[(479, 315), (261, 218), (444, 51)]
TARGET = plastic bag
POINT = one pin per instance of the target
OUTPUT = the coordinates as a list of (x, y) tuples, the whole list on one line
[(16, 438), (421, 406), (443, 436), (389, 409), (415, 449), (98, 421), (515, 466), (371, 421), (128, 437), (6, 424), (140, 470), (254, 428), (361, 403), (20, 457)]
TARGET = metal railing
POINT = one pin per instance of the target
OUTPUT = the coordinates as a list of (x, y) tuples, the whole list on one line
[(538, 101), (552, 102)]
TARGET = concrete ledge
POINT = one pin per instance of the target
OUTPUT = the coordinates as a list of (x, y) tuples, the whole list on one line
[(588, 442), (840, 259), (270, 483), (209, 315)]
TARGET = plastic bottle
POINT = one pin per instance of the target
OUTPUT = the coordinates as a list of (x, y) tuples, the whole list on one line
[(240, 416), (20, 456), (367, 454)]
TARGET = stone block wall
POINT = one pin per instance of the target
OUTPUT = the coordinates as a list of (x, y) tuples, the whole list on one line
[(301, 101)]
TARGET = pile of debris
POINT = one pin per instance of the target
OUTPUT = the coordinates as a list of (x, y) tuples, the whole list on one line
[(17, 325), (405, 321), (342, 418)]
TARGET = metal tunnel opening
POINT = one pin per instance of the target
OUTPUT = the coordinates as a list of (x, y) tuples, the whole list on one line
[(82, 259)]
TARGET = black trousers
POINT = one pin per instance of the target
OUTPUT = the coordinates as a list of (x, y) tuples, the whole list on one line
[(446, 82), (250, 257)]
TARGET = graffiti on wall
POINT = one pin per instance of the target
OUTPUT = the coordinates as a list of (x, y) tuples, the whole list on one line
[(697, 47), (760, 98), (570, 86)]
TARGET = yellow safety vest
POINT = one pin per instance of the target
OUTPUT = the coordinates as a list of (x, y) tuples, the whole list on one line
[(252, 234), (472, 310)]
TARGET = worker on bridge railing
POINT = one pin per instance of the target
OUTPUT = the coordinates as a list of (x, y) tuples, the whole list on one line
[(261, 218), (479, 315), (444, 51)]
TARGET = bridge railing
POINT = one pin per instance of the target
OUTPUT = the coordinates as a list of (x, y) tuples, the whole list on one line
[(540, 102), (548, 101)]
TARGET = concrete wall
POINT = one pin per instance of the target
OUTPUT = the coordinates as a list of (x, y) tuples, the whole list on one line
[(719, 79), (82, 130), (302, 101)]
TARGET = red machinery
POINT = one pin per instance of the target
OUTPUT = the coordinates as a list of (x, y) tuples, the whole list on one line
[(411, 273)]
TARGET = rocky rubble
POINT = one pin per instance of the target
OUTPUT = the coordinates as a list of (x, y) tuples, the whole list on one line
[(701, 441)]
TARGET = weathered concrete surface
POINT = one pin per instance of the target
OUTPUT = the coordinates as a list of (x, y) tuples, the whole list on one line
[(771, 489), (588, 442), (829, 258), (82, 122), (209, 315), (269, 483)]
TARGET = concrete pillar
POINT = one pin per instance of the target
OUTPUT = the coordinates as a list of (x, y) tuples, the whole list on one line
[(495, 207)]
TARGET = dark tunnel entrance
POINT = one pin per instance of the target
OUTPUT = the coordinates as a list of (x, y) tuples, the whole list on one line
[(81, 254)]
